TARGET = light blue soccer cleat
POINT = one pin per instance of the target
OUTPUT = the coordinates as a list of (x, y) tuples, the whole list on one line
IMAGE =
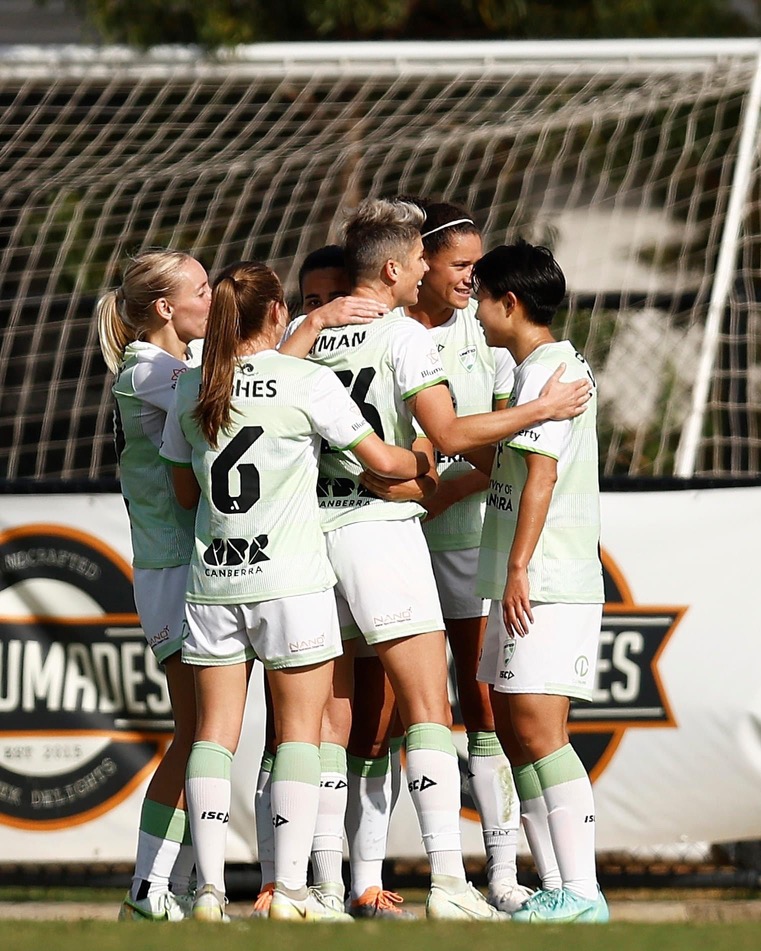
[(559, 906)]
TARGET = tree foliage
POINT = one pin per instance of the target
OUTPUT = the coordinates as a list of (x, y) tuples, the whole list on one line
[(229, 22)]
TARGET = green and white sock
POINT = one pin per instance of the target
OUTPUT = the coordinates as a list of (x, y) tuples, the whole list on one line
[(493, 791), (328, 843), (163, 829), (433, 779), (208, 792), (295, 798), (535, 825), (567, 792), (396, 745), (368, 813)]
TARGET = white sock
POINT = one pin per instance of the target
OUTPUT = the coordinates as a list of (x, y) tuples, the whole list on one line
[(571, 817), (535, 825), (368, 813), (295, 797), (328, 843), (179, 880), (396, 745), (265, 831), (433, 779), (493, 791), (159, 845), (208, 793)]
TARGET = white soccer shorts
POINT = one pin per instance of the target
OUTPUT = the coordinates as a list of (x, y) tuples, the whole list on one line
[(160, 603), (285, 632), (386, 580), (455, 573), (558, 656)]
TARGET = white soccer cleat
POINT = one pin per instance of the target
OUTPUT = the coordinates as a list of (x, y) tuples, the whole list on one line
[(306, 904), (508, 896), (465, 904), (159, 906), (209, 905), (332, 894)]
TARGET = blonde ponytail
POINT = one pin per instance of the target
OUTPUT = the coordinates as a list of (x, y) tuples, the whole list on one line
[(113, 332)]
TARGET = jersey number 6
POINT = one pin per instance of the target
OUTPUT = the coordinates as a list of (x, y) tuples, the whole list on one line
[(248, 475)]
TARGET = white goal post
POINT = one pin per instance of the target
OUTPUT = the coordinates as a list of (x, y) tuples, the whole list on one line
[(636, 161)]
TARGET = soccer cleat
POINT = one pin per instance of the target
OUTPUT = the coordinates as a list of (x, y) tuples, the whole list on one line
[(375, 902), (560, 906), (209, 905), (508, 896), (159, 906), (263, 901), (306, 904), (465, 904), (332, 894)]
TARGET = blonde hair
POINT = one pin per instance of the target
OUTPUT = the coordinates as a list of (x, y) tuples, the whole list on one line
[(124, 314), (376, 231), (241, 299)]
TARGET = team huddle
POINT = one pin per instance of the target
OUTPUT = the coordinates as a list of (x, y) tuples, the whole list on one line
[(411, 461)]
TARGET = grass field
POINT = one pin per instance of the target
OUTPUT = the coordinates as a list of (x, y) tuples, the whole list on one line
[(242, 935)]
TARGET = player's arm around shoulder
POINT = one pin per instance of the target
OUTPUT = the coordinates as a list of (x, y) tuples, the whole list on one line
[(406, 490), (301, 333)]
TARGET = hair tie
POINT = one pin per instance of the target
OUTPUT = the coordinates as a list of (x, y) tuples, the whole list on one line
[(449, 224)]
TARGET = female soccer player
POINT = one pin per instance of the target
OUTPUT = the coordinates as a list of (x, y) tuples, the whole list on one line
[(540, 565), (244, 435), (480, 379), (145, 327)]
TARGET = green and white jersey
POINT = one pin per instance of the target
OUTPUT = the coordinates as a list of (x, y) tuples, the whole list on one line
[(381, 364), (565, 566), (144, 390), (478, 374), (258, 533)]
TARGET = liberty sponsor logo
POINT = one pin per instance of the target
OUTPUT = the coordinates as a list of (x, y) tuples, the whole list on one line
[(395, 617), (84, 703), (628, 691)]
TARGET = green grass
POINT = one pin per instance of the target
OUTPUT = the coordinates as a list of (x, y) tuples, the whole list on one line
[(374, 936)]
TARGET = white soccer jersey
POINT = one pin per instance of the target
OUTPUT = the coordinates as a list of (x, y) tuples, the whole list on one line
[(478, 374), (258, 534), (162, 531), (381, 364), (565, 566)]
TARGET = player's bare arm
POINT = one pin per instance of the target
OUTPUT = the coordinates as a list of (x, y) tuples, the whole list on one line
[(532, 514), (186, 486), (337, 313), (451, 434), (405, 490), (391, 462)]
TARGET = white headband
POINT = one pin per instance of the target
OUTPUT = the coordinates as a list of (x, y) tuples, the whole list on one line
[(449, 224)]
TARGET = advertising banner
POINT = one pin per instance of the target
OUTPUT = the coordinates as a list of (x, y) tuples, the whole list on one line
[(672, 738)]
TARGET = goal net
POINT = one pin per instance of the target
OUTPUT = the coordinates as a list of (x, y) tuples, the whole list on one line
[(637, 162)]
